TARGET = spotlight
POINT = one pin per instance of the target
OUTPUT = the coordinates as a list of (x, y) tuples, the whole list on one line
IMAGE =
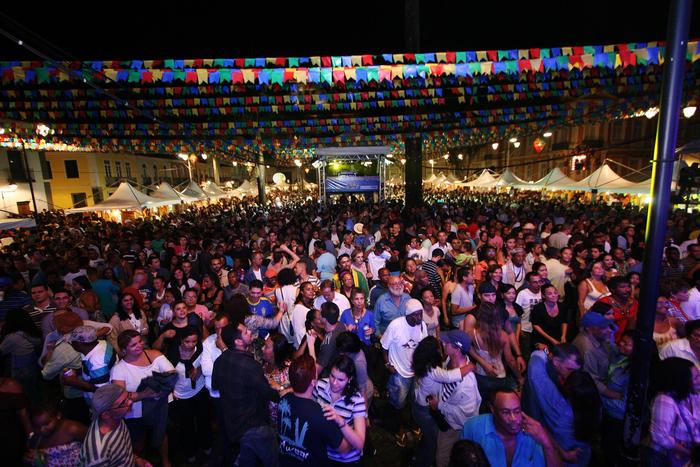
[(689, 111)]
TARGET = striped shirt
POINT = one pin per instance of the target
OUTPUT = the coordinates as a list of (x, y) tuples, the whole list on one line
[(356, 408), (111, 450)]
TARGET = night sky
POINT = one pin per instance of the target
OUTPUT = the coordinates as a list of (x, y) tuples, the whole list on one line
[(206, 29)]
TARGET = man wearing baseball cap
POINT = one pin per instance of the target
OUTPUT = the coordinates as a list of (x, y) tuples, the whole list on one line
[(458, 401), (595, 344), (399, 341)]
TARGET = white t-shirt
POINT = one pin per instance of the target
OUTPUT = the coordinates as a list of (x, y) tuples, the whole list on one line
[(210, 352), (338, 298), (463, 299), (445, 248), (96, 361), (692, 306), (527, 300), (298, 323), (183, 387), (132, 376), (420, 254), (376, 262), (400, 340)]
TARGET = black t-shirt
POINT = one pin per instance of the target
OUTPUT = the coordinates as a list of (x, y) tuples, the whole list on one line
[(305, 434), (550, 325)]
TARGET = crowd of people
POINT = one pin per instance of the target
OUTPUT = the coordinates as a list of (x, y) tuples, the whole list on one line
[(486, 329)]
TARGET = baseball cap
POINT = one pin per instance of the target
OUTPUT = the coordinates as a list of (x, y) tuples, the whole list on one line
[(412, 306), (594, 320), (458, 338), (83, 335)]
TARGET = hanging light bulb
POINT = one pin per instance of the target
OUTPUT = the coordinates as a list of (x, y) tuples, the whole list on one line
[(460, 156), (516, 144), (513, 140), (494, 146), (689, 111), (403, 161), (547, 134), (446, 156), (205, 156)]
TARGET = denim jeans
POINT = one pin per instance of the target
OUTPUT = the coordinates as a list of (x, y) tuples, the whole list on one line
[(399, 389), (258, 446), (425, 451)]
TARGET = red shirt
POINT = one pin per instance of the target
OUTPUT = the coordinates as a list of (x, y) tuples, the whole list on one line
[(621, 314)]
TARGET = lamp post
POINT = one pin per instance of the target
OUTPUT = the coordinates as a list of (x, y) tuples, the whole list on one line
[(432, 167)]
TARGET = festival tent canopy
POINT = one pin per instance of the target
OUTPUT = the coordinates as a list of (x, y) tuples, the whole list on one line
[(484, 180), (166, 192), (212, 190), (606, 179), (507, 178), (126, 197), (194, 191), (554, 180)]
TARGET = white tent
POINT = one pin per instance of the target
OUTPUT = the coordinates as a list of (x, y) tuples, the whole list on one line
[(125, 197), (194, 191), (213, 190), (429, 180), (606, 179), (484, 180), (555, 179), (166, 192), (507, 178)]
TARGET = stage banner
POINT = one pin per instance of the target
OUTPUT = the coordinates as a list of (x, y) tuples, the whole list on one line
[(351, 177)]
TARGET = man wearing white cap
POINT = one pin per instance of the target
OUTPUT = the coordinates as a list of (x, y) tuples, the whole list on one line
[(108, 443), (399, 341)]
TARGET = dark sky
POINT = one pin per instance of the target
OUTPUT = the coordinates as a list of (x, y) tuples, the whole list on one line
[(206, 29)]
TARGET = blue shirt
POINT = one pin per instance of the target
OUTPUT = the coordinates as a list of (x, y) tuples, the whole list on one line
[(263, 308), (367, 319), (385, 311), (528, 452), (325, 264)]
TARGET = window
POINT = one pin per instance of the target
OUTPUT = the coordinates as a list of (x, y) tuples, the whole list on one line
[(71, 169), (79, 200), (108, 169), (16, 164), (128, 169), (96, 194), (46, 172), (118, 166)]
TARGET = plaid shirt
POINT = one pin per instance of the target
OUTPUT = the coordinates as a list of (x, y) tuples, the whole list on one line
[(244, 391), (674, 422)]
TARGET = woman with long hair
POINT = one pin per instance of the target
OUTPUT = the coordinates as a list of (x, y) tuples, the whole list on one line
[(495, 275), (429, 376), (512, 313), (21, 340), (304, 303), (675, 413), (138, 363), (127, 316), (359, 264), (173, 331), (191, 405), (592, 288), (211, 294), (180, 282), (549, 319), (357, 319), (342, 403), (276, 357), (490, 346)]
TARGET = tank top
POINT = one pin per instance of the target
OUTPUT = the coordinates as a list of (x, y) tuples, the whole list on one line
[(593, 295), (496, 362)]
